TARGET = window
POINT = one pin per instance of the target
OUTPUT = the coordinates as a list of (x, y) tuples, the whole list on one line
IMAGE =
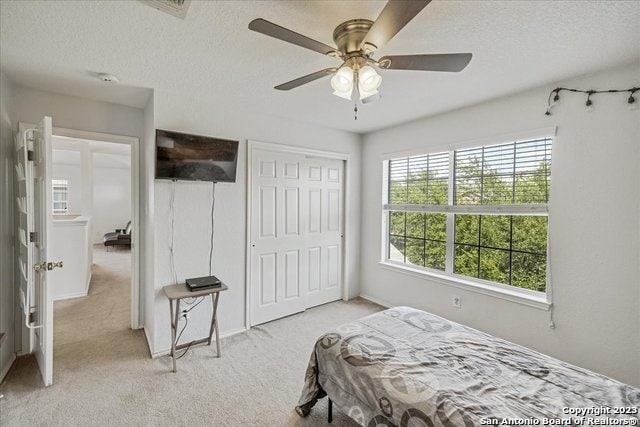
[(60, 197), (478, 213)]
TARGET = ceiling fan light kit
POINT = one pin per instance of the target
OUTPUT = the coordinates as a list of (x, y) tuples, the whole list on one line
[(368, 82), (357, 40)]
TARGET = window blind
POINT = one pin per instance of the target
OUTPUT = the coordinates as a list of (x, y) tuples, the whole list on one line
[(514, 173)]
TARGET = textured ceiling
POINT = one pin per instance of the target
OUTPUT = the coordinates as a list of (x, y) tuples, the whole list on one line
[(59, 46)]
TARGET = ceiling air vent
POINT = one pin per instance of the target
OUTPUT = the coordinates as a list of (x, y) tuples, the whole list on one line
[(172, 7)]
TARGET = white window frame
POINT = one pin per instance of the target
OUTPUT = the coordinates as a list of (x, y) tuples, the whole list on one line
[(58, 184), (541, 300)]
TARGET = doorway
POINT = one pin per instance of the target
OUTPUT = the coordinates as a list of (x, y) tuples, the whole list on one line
[(92, 207), (71, 202), (107, 152), (296, 228)]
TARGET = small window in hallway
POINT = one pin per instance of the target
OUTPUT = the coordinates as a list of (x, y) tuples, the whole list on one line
[(60, 196)]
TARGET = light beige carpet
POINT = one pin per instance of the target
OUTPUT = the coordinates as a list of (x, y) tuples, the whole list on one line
[(103, 374)]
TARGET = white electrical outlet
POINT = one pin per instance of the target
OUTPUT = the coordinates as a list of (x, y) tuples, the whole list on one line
[(456, 301), (185, 314)]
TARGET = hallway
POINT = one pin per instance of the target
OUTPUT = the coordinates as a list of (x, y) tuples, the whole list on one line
[(98, 324)]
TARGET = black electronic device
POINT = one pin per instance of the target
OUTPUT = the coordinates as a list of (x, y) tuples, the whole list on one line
[(182, 156), (200, 283)]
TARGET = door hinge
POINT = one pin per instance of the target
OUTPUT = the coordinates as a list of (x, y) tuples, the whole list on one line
[(30, 155), (33, 237)]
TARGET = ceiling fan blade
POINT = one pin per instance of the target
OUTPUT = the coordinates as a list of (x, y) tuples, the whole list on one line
[(306, 79), (435, 62), (395, 15), (276, 31)]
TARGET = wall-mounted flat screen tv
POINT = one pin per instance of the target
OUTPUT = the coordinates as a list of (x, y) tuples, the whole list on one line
[(182, 156)]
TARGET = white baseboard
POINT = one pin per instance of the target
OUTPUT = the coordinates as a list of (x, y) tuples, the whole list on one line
[(233, 332), (223, 335), (6, 369), (160, 353), (89, 281), (376, 301), (69, 296), (146, 335)]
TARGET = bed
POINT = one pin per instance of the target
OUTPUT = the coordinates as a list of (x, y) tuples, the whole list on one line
[(404, 366)]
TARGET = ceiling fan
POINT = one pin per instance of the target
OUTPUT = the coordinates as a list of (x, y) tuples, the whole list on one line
[(356, 41)]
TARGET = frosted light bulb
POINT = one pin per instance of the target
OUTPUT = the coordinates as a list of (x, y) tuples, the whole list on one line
[(368, 79), (342, 81)]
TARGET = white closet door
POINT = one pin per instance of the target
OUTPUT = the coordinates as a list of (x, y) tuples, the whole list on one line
[(325, 183), (278, 243)]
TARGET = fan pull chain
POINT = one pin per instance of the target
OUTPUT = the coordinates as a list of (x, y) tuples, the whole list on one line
[(355, 111)]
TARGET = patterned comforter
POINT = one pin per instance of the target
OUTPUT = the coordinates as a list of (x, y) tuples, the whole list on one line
[(404, 366)]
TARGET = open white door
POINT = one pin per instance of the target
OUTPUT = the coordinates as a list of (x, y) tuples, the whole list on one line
[(35, 222), (24, 214)]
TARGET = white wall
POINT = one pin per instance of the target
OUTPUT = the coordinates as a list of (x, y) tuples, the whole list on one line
[(593, 221), (30, 105), (72, 237), (7, 297), (193, 204), (72, 173), (111, 200), (147, 237)]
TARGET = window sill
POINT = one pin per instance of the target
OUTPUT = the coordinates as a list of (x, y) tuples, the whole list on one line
[(520, 296)]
